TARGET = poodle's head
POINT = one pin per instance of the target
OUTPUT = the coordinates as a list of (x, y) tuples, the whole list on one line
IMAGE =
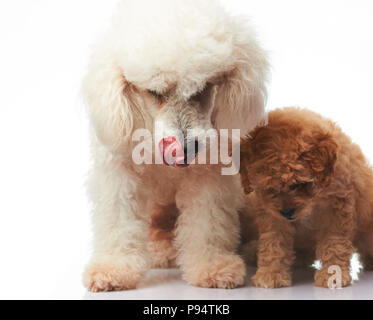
[(182, 66), (288, 163)]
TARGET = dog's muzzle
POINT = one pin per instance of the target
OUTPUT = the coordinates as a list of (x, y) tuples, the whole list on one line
[(173, 153)]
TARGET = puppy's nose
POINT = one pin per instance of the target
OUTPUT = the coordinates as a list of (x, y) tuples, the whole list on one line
[(172, 152), (288, 214)]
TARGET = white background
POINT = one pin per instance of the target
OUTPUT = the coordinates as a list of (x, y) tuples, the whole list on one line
[(321, 52)]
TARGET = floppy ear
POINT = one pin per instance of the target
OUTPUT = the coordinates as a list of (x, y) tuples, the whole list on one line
[(241, 98), (322, 157), (245, 180), (244, 165), (110, 104)]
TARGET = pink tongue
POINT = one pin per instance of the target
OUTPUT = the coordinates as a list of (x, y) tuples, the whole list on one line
[(172, 150)]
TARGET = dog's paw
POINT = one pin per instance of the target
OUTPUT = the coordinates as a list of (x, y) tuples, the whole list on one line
[(324, 279), (163, 254), (112, 276), (225, 272), (268, 279)]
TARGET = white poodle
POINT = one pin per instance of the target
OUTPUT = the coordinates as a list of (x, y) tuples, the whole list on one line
[(190, 66)]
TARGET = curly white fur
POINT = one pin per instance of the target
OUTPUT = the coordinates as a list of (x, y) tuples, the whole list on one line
[(180, 49)]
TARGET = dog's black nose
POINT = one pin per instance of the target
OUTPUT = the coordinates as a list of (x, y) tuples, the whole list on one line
[(196, 148), (288, 214), (191, 154)]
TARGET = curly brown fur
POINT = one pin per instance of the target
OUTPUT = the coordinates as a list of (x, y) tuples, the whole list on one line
[(310, 190)]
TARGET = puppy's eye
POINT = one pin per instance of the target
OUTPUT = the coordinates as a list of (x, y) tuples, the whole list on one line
[(271, 191), (297, 186)]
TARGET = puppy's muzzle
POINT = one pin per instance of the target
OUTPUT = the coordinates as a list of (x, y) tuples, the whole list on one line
[(288, 214)]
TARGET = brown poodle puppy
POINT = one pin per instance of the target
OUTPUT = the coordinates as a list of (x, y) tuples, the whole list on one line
[(310, 190)]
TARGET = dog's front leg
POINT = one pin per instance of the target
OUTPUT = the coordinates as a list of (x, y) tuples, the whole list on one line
[(207, 233), (275, 253), (120, 257)]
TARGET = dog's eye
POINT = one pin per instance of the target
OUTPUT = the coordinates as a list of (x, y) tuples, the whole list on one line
[(155, 94), (200, 94)]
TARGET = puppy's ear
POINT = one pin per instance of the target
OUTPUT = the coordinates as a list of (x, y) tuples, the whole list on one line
[(322, 157), (244, 166), (242, 94), (110, 102)]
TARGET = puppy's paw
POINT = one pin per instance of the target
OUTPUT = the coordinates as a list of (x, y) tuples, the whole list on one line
[(162, 254), (324, 279), (115, 275), (225, 272), (268, 279)]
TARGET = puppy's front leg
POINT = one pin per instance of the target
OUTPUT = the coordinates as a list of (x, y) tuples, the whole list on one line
[(207, 233), (334, 250), (275, 253), (120, 257)]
